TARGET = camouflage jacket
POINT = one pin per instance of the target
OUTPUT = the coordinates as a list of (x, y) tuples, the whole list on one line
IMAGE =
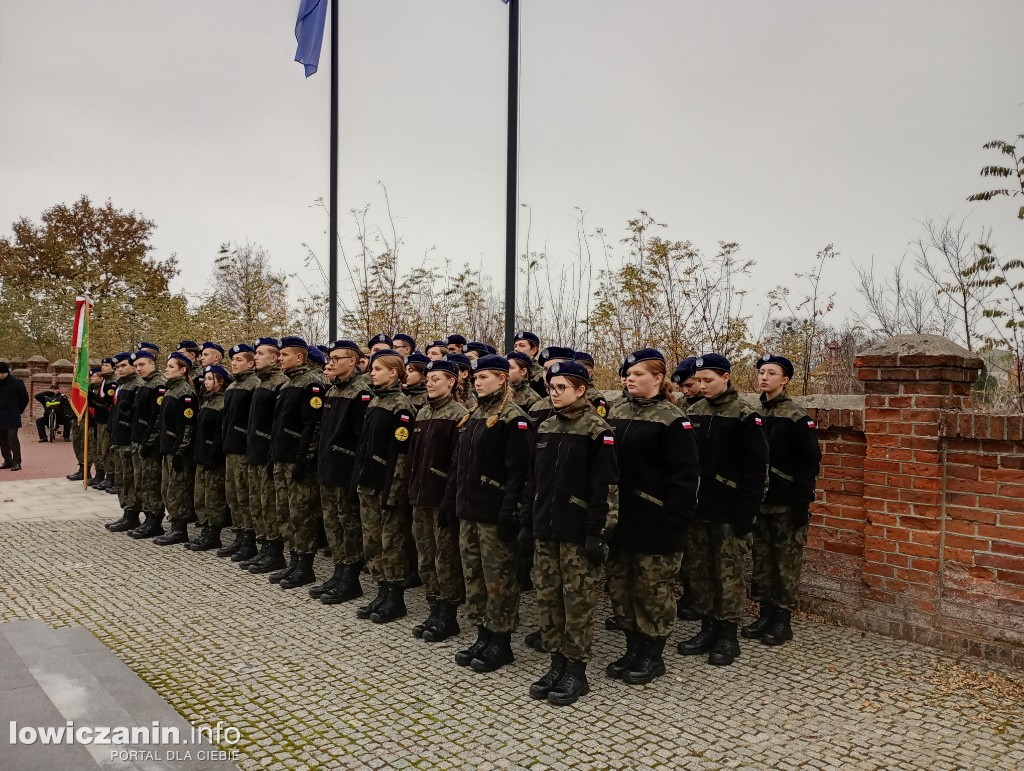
[(430, 450), (597, 399), (297, 417), (524, 395), (380, 456), (794, 457), (733, 459), (341, 425), (572, 490), (235, 421), (417, 395), (658, 474), (541, 410), (261, 414)]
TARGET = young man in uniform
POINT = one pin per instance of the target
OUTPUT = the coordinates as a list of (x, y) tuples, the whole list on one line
[(145, 452), (120, 427), (234, 438)]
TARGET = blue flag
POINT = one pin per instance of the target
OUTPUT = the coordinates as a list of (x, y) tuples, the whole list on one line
[(309, 33)]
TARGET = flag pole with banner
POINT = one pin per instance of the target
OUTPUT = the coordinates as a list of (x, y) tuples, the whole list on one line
[(80, 383)]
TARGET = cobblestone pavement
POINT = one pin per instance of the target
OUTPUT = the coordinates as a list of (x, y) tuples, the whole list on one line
[(311, 686)]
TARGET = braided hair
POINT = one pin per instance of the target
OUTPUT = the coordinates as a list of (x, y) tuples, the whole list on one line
[(506, 397)]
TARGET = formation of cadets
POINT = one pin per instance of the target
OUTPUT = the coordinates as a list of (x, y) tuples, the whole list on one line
[(476, 476)]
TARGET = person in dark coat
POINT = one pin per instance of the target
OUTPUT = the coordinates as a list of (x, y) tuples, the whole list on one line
[(13, 401)]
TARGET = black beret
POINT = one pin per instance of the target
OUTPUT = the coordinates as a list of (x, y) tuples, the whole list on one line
[(456, 340), (241, 348), (293, 341), (273, 342), (381, 338), (490, 362), (714, 361), (477, 347), (685, 369), (94, 370), (322, 348), (407, 338), (644, 354), (384, 352), (416, 358), (182, 358), (187, 344), (144, 353), (123, 356), (782, 361), (567, 369), (436, 344), (529, 337), (583, 356), (316, 355), (150, 346), (554, 352), (520, 356), (444, 365), (459, 358), (214, 346), (219, 371), (108, 360), (347, 345)]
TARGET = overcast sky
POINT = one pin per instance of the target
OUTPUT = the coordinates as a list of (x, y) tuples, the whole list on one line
[(783, 125)]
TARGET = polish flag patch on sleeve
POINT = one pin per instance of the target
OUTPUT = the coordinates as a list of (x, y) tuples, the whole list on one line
[(522, 424), (758, 421), (404, 418), (316, 389), (811, 423), (365, 397), (608, 439), (687, 424)]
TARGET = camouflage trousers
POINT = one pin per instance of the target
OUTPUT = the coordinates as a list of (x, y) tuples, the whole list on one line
[(715, 560), (208, 497), (640, 588), (277, 514), (437, 555), (102, 459), (177, 488), (78, 443), (236, 490), (566, 585), (148, 488), (492, 585), (125, 472), (384, 546), (261, 498), (341, 521), (778, 553), (298, 508)]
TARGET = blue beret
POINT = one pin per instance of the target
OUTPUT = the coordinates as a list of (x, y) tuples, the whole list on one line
[(477, 347), (347, 345), (583, 356), (644, 354), (712, 361), (782, 361), (491, 349), (407, 338), (150, 346), (109, 360), (554, 352), (123, 356), (292, 341), (685, 369), (219, 371), (381, 338), (436, 344), (316, 354), (187, 344), (182, 358), (385, 352), (456, 340), (144, 353), (567, 368), (94, 370), (214, 346), (241, 348), (273, 342), (459, 358), (520, 356), (416, 358), (322, 348), (444, 365), (529, 337), (489, 362)]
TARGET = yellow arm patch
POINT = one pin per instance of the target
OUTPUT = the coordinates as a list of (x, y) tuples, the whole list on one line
[(316, 402), (401, 433)]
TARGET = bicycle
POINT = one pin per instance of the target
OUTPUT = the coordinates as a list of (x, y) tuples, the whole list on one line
[(51, 420)]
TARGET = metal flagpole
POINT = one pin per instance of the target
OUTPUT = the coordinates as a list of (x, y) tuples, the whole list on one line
[(333, 281), (511, 170)]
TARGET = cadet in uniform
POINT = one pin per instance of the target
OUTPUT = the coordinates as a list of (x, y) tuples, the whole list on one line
[(145, 453), (520, 366), (485, 489), (456, 344), (429, 464), (293, 448), (415, 386), (121, 443), (436, 350), (658, 479), (210, 502), (262, 495), (235, 432), (542, 409), (105, 406), (684, 376), (316, 358), (464, 393), (529, 344), (570, 505), (175, 445), (733, 469), (379, 478), (340, 429), (404, 344), (379, 342), (780, 531), (594, 396)]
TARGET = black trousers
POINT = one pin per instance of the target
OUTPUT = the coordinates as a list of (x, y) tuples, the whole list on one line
[(10, 445), (41, 426)]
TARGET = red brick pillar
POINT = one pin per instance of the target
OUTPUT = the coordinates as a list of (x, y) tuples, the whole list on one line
[(909, 381)]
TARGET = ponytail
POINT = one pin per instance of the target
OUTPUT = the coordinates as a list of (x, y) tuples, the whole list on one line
[(506, 396)]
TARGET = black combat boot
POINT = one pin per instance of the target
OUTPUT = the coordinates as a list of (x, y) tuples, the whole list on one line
[(151, 528), (572, 685), (302, 575), (246, 548), (273, 561), (684, 608), (621, 664), (419, 629), (293, 565), (369, 609), (393, 607), (701, 642), (209, 540), (347, 589), (465, 657), (318, 591), (781, 628), (541, 688), (497, 654), (78, 476), (198, 539), (106, 484), (262, 552), (128, 521), (755, 628), (727, 646), (533, 642), (232, 548), (648, 663), (447, 624), (112, 489), (177, 534), (97, 479)]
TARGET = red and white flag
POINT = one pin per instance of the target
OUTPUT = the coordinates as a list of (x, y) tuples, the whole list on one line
[(78, 330)]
